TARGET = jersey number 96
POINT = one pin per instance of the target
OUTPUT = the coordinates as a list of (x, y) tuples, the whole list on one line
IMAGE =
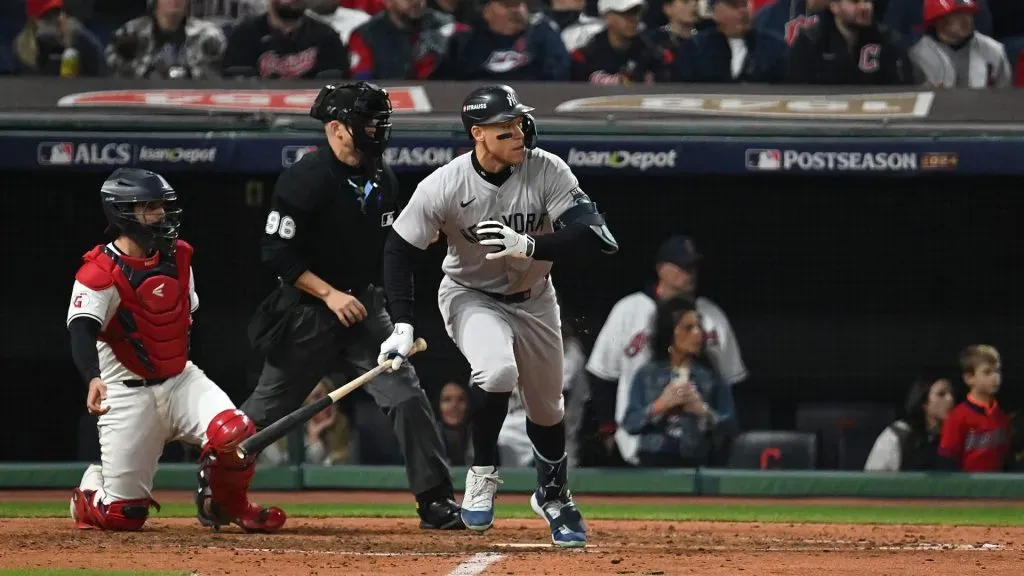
[(282, 226)]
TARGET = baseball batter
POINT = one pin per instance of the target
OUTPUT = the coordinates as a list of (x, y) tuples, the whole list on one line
[(622, 346), (129, 318), (509, 210)]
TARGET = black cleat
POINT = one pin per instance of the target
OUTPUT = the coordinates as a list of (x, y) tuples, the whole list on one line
[(440, 515)]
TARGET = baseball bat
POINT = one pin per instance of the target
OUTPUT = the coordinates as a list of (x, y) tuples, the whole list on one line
[(257, 442)]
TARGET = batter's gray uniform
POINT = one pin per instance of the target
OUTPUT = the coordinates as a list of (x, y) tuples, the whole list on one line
[(502, 314)]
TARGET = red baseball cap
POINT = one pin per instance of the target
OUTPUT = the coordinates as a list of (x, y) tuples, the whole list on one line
[(36, 9)]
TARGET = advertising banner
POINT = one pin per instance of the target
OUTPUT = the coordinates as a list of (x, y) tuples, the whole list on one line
[(259, 154)]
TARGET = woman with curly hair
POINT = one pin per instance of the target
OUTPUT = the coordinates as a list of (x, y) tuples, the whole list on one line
[(676, 404)]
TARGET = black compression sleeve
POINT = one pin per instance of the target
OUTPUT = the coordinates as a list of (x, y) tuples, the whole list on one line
[(575, 241), (399, 261), (84, 332)]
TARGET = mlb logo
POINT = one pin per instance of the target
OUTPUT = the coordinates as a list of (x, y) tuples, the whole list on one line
[(292, 154), (55, 153), (764, 159)]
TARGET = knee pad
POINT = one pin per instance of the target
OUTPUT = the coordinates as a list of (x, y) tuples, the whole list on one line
[(501, 379), (223, 477), (225, 432), (89, 511)]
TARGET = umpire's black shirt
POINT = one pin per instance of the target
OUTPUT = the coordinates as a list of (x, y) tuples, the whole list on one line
[(331, 219)]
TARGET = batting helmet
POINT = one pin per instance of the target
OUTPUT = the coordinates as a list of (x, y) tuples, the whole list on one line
[(935, 9), (364, 108), (496, 104), (128, 187)]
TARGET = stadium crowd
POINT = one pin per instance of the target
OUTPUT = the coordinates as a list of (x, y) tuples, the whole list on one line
[(938, 43)]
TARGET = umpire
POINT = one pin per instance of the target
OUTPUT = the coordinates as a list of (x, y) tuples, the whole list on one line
[(324, 236)]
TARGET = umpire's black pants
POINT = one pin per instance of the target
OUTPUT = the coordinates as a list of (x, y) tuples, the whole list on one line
[(316, 344)]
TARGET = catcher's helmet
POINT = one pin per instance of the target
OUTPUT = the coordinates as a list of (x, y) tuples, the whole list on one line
[(495, 104), (364, 108), (127, 188)]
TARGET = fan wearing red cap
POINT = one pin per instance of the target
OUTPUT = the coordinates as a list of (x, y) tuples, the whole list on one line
[(167, 42), (53, 43), (952, 54)]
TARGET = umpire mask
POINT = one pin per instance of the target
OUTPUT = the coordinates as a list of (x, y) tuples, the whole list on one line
[(364, 108)]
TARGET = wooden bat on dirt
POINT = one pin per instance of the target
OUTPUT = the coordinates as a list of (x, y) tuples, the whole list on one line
[(257, 442)]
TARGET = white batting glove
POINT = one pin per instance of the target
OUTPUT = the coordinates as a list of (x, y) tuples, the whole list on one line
[(510, 242), (396, 348)]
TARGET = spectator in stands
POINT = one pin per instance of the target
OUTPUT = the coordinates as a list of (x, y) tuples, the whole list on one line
[(913, 442), (623, 344), (787, 18), (405, 41), (325, 438), (167, 43), (846, 46), (343, 20), (285, 43), (682, 25), (906, 18), (462, 10), (52, 43), (453, 406), (976, 434), (732, 51), (576, 26), (951, 54), (622, 54), (507, 43), (675, 403), (1008, 28)]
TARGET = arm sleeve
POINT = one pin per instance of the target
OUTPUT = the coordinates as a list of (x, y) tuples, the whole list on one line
[(574, 241), (951, 442), (84, 331), (604, 368), (399, 261), (291, 212), (360, 57), (562, 193), (885, 454)]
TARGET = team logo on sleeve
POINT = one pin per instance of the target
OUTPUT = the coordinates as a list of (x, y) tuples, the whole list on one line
[(81, 300)]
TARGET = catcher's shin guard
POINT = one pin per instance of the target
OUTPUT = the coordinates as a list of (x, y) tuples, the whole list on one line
[(90, 513), (223, 494)]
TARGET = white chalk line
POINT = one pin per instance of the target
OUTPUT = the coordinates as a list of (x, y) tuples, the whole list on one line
[(476, 564)]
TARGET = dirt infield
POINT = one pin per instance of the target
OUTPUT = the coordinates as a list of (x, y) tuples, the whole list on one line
[(396, 546)]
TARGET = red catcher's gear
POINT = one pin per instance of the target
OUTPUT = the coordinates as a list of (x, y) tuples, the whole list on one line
[(149, 332)]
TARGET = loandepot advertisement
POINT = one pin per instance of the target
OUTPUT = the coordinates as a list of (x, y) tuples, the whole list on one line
[(641, 160)]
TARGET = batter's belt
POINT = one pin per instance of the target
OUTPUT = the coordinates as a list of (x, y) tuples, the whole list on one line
[(513, 298)]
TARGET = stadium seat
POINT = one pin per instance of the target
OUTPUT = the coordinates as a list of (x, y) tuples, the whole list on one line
[(854, 447), (774, 450), (829, 421)]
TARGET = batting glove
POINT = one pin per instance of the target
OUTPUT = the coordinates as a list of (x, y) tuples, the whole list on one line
[(509, 242), (396, 348)]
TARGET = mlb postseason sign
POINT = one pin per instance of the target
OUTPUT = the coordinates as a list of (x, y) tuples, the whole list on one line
[(777, 159)]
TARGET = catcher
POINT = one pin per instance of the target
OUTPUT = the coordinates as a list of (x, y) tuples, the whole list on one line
[(129, 318)]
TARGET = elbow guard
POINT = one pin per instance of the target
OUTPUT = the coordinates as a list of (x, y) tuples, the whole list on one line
[(584, 211)]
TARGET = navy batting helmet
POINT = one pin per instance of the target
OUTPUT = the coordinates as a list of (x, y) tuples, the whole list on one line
[(496, 104)]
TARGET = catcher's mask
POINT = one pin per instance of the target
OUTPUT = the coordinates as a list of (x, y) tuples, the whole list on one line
[(130, 188), (364, 108)]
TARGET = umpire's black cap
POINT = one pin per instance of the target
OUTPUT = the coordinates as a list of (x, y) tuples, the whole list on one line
[(492, 105), (679, 250)]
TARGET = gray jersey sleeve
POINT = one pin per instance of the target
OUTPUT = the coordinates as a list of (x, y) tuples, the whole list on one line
[(424, 215), (560, 186)]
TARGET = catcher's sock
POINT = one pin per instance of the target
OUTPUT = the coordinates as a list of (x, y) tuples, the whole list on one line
[(489, 410), (548, 441)]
